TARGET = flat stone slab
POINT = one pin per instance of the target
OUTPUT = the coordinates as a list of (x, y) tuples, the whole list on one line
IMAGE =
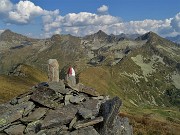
[(25, 94), (24, 99), (15, 112), (86, 123), (29, 106), (35, 115), (15, 130), (76, 99), (85, 113), (87, 90), (93, 105), (84, 131), (45, 97), (57, 86), (59, 117)]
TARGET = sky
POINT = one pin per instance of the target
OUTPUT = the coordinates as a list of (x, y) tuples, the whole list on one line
[(44, 18)]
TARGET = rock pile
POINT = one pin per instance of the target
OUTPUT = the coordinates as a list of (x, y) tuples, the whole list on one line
[(53, 109)]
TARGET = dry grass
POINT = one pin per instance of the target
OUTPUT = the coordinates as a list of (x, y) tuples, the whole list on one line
[(145, 125), (11, 86), (97, 78)]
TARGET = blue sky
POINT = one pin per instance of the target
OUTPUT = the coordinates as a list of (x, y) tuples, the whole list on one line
[(43, 18)]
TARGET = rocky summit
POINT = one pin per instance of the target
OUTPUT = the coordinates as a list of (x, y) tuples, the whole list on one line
[(54, 109)]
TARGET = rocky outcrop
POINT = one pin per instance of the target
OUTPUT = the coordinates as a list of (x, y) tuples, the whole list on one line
[(53, 109)]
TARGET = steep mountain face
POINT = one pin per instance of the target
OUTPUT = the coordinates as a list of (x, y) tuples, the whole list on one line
[(144, 71), (147, 73)]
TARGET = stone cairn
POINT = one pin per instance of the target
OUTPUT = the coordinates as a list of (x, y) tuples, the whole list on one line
[(56, 109)]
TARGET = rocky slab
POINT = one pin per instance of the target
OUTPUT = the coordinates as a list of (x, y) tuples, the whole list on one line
[(86, 123), (35, 115), (109, 111), (59, 117), (15, 130), (45, 97)]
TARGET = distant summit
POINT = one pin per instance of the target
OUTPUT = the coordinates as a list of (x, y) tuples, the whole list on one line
[(101, 35), (8, 35), (147, 36)]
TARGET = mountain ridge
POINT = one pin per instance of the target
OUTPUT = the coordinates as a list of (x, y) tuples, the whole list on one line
[(143, 72)]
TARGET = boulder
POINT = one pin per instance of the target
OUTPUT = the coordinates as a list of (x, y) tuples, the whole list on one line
[(109, 111)]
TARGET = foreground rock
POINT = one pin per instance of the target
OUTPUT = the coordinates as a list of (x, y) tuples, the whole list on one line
[(52, 109)]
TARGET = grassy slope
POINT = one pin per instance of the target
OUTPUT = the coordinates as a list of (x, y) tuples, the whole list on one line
[(11, 86), (145, 119)]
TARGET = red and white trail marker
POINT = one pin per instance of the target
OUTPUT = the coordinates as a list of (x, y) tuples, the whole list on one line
[(71, 72)]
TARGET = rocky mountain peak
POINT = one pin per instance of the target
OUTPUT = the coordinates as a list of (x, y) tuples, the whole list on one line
[(100, 34), (147, 36), (56, 37), (8, 35)]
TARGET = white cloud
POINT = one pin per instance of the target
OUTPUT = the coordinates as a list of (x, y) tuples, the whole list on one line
[(175, 23), (83, 23), (74, 23), (103, 9), (86, 23), (24, 12), (5, 6)]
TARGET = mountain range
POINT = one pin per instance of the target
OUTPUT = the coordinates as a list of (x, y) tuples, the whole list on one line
[(143, 70)]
